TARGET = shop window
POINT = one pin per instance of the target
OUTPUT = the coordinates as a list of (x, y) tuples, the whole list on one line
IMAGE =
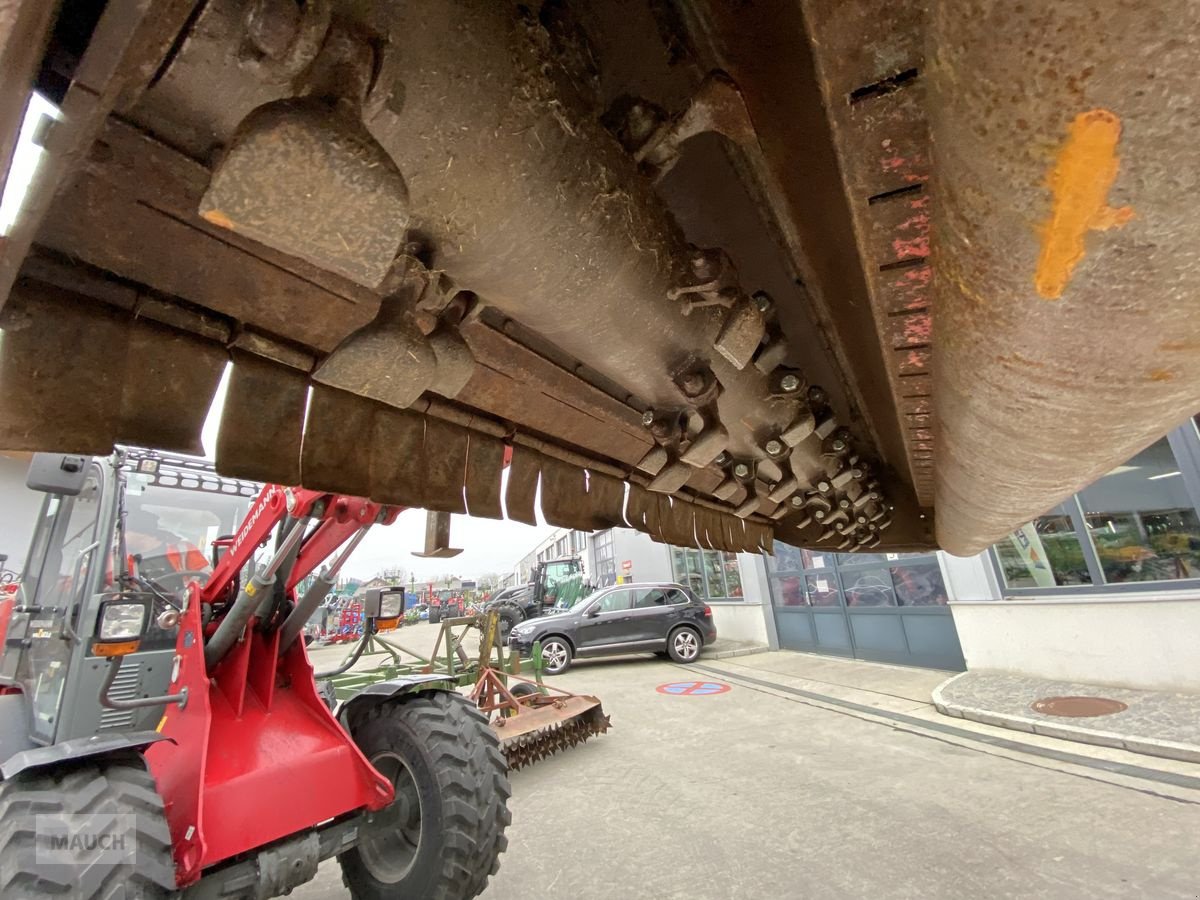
[(711, 574), (1142, 521), (1044, 553)]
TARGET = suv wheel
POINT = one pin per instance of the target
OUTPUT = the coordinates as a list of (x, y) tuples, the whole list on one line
[(556, 655), (683, 645)]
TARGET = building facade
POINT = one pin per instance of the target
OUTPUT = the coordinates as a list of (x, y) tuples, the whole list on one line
[(1104, 588), (732, 583)]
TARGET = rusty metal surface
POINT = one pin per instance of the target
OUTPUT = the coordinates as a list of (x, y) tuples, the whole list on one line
[(388, 360), (437, 537), (153, 192), (126, 49), (307, 178), (398, 457), (108, 377), (606, 497), (564, 495), (260, 434), (165, 372), (334, 456), (521, 492), (871, 59), (445, 466), (1067, 249), (64, 354), (522, 199), (485, 462), (764, 48), (1078, 707), (570, 221)]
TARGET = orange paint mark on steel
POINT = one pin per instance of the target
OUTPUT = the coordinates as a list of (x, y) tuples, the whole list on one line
[(1080, 180), (218, 218)]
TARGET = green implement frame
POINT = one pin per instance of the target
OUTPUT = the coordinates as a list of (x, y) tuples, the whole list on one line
[(449, 658)]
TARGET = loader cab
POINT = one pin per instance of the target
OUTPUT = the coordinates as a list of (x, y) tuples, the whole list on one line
[(81, 558), (559, 583)]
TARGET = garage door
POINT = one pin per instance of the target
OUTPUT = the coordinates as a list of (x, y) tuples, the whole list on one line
[(885, 607)]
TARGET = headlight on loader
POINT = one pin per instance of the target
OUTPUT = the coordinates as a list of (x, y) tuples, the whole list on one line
[(120, 626), (391, 606), (384, 606)]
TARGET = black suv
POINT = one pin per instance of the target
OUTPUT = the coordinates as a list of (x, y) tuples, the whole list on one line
[(665, 618)]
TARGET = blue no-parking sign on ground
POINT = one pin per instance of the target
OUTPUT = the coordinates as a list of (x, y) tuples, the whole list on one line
[(693, 688)]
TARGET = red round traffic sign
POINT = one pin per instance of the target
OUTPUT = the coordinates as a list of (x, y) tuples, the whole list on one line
[(693, 688)]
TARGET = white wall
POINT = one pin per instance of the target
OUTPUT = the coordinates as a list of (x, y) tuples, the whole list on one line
[(19, 508), (651, 560), (1146, 642), (969, 577)]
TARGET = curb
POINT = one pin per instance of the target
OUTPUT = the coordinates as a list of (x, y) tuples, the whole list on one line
[(740, 651), (1144, 745)]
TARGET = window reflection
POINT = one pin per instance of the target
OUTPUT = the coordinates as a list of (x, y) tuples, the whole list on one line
[(789, 591), (1044, 553), (1141, 520), (823, 590), (868, 587)]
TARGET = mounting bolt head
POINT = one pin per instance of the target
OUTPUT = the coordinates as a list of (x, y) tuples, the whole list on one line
[(838, 445), (819, 514), (789, 383), (773, 447), (798, 501), (741, 470), (648, 418), (722, 458), (816, 395), (823, 486), (762, 302)]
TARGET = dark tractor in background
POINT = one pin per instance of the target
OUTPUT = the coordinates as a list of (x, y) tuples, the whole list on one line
[(555, 584)]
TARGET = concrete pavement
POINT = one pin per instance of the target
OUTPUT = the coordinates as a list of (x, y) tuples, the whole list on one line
[(823, 778)]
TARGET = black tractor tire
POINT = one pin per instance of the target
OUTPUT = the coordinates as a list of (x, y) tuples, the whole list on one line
[(140, 844), (684, 644), (450, 772), (509, 616)]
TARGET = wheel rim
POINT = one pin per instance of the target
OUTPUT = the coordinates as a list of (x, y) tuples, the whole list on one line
[(390, 839), (686, 645), (554, 655)]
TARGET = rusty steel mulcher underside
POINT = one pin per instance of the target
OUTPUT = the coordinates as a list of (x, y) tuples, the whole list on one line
[(692, 248)]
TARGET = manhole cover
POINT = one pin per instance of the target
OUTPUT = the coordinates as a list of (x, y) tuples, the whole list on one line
[(1078, 707)]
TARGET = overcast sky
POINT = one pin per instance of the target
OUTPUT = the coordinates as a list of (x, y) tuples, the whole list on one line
[(488, 545)]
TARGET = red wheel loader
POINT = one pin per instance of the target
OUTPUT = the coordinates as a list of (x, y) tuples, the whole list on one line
[(160, 727)]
